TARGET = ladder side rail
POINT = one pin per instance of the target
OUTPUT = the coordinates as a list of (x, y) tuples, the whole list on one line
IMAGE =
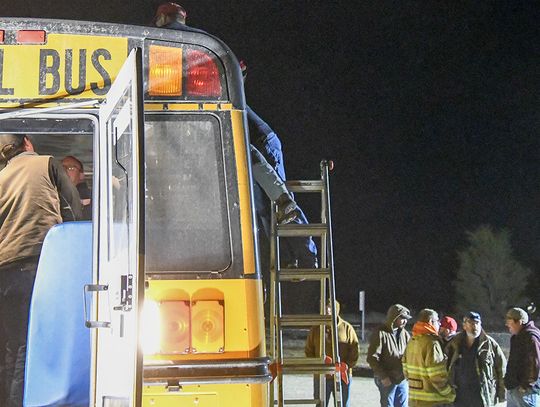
[(327, 218), (273, 304), (278, 305), (323, 298)]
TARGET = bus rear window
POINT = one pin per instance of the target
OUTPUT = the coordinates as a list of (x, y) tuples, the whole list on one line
[(187, 224)]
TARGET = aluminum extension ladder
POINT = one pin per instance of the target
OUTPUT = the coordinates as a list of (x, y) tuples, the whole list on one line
[(325, 275)]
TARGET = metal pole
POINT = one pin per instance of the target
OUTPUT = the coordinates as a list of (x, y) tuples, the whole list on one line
[(362, 308)]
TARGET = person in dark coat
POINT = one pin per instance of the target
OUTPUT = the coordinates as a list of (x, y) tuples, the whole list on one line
[(522, 379), (476, 365), (386, 348)]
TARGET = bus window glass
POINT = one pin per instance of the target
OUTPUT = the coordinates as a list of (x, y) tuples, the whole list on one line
[(58, 137), (187, 225)]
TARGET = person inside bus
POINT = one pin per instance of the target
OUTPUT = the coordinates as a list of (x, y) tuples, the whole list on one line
[(33, 187), (75, 171)]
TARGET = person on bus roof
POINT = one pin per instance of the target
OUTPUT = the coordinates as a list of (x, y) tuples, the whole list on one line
[(31, 191), (170, 15), (299, 251)]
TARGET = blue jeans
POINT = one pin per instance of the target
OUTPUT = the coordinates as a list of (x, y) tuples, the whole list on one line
[(516, 398), (395, 395)]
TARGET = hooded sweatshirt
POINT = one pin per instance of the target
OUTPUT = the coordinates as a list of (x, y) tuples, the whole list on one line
[(523, 369), (386, 347)]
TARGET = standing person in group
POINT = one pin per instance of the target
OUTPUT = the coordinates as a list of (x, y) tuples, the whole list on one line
[(75, 171), (447, 330), (386, 348), (476, 365), (31, 189), (522, 377), (424, 364), (348, 353)]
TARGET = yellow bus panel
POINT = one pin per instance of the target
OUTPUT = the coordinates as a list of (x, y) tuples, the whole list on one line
[(67, 66)]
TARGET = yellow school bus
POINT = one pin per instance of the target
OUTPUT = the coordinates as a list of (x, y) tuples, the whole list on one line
[(175, 304)]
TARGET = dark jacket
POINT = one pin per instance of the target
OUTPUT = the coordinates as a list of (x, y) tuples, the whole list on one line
[(490, 366), (523, 368), (385, 351)]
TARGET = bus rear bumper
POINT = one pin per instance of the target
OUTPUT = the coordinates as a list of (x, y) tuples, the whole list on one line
[(250, 371)]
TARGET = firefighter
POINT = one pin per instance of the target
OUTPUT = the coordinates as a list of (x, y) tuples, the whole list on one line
[(424, 364), (31, 188)]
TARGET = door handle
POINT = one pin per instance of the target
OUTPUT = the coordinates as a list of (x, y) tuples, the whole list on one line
[(92, 288)]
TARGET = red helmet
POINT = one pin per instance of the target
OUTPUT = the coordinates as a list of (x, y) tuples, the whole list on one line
[(171, 9)]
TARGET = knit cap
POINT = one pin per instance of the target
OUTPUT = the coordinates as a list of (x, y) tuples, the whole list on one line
[(517, 314)]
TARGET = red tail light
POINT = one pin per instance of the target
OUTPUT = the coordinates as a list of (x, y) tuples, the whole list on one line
[(202, 75)]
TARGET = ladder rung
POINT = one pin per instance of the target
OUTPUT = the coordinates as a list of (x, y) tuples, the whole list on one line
[(316, 402), (305, 320), (302, 361), (303, 274), (309, 402), (300, 230), (319, 368), (305, 186)]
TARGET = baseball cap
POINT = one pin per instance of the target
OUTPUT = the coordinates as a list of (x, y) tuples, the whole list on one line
[(449, 323), (473, 316)]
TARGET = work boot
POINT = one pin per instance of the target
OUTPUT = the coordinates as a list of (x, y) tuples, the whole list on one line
[(287, 210)]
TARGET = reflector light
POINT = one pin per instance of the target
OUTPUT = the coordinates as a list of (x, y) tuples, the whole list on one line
[(31, 36), (202, 75), (207, 327), (165, 72), (1, 36), (175, 333)]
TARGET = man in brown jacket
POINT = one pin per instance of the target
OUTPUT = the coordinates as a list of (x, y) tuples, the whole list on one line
[(348, 352), (32, 188), (386, 347)]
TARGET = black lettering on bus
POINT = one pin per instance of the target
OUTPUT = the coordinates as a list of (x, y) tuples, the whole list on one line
[(3, 91), (52, 69), (103, 87), (69, 72)]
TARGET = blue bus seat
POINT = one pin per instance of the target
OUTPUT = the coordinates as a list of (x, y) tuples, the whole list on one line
[(58, 350)]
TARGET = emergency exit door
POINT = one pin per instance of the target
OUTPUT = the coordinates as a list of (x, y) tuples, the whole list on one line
[(117, 358)]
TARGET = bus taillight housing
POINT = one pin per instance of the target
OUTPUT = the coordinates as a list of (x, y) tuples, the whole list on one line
[(203, 77), (183, 73)]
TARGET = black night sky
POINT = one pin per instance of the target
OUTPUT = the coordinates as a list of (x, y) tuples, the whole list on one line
[(429, 109)]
